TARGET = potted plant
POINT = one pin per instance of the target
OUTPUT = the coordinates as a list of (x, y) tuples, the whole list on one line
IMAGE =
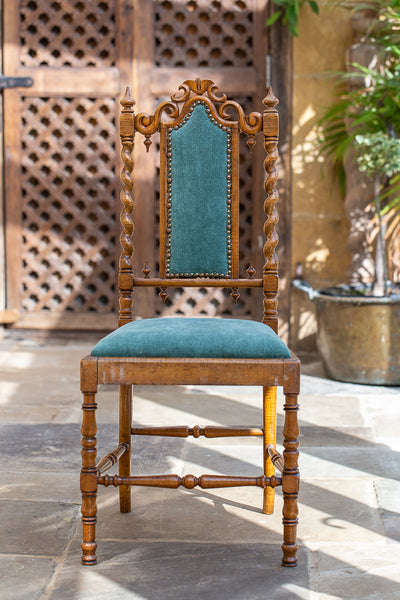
[(359, 324)]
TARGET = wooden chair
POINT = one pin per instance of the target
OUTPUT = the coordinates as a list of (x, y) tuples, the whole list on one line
[(199, 231)]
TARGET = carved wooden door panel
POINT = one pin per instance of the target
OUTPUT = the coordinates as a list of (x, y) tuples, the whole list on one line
[(221, 40), (61, 158), (61, 148)]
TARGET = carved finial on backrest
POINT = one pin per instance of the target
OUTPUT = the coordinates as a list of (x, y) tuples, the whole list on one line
[(235, 294), (147, 142), (271, 121), (251, 271), (251, 142), (270, 100), (163, 294), (127, 103), (146, 270), (127, 100)]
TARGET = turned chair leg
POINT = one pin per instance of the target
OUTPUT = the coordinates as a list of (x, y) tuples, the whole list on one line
[(125, 426), (290, 482), (269, 411), (89, 479)]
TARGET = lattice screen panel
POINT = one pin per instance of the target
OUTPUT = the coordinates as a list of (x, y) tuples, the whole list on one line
[(61, 33), (195, 33), (69, 197), (213, 301)]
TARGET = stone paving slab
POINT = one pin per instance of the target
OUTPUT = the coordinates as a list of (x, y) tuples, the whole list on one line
[(36, 528), (338, 437), (340, 510), (25, 577), (388, 495), (329, 410), (352, 572), (41, 485), (392, 530), (343, 463), (210, 405), (175, 570), (196, 515), (42, 446), (56, 447)]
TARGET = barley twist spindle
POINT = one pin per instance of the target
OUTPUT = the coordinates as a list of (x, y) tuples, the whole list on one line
[(127, 132), (270, 270)]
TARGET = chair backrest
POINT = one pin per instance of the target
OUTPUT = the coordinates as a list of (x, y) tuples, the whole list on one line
[(199, 193)]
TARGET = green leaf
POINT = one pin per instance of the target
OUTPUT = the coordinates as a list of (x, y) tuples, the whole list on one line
[(341, 175), (292, 14), (314, 6), (274, 17)]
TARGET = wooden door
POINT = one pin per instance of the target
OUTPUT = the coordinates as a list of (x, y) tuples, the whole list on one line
[(61, 158), (62, 152)]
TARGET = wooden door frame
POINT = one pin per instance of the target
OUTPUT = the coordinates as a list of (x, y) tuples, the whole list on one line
[(50, 81)]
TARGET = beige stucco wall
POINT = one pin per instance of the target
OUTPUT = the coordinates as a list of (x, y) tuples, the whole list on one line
[(320, 226)]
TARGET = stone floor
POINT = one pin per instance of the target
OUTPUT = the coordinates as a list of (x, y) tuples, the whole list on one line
[(213, 545)]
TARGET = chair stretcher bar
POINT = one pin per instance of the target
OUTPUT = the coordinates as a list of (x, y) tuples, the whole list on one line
[(189, 481), (209, 431)]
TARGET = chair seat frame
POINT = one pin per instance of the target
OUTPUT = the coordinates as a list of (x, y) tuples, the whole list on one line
[(127, 372)]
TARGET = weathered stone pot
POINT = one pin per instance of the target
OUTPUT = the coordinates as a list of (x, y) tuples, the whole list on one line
[(358, 336)]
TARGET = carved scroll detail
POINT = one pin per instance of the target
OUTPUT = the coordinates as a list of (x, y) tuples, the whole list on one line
[(188, 93), (149, 124), (250, 124), (125, 263), (198, 87), (270, 270)]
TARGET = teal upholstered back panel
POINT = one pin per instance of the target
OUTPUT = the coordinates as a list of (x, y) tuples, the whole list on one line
[(198, 213)]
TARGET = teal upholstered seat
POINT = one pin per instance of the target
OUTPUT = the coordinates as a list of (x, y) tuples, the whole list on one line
[(187, 337)]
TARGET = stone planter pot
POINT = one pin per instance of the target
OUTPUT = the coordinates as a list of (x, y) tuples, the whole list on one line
[(358, 336)]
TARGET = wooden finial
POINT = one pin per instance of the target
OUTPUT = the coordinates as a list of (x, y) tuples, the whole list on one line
[(163, 294), (235, 294), (146, 270), (127, 101), (251, 142), (270, 100), (251, 271)]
